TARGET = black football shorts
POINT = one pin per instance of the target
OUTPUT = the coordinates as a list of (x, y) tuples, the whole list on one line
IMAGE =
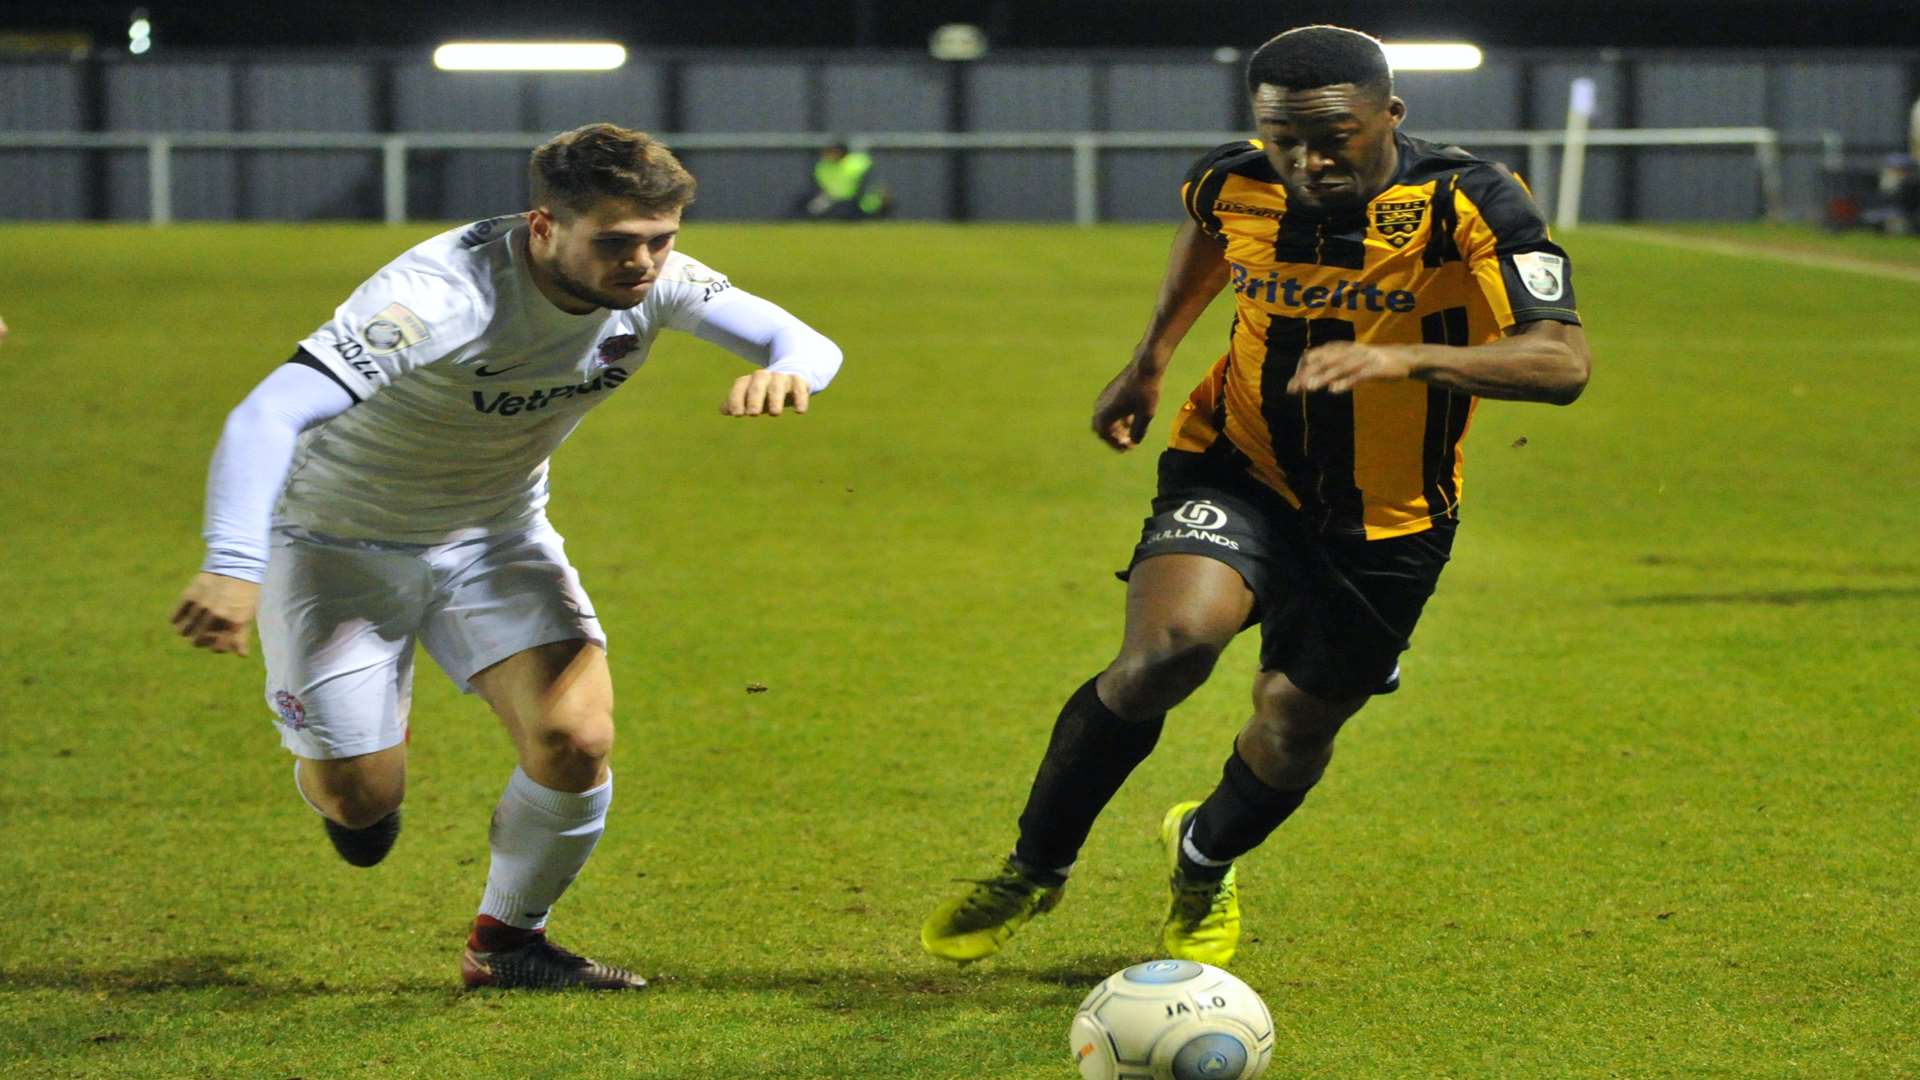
[(1335, 611)]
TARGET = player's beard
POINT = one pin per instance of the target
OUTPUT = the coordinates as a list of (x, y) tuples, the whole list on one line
[(586, 293)]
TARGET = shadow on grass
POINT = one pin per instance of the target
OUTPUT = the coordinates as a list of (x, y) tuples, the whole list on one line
[(193, 971), (915, 987), (1721, 562), (1775, 597), (918, 986)]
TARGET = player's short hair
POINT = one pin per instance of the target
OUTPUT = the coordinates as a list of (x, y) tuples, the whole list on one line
[(1314, 56), (575, 169)]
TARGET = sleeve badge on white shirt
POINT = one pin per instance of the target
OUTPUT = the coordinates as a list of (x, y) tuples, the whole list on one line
[(711, 282), (393, 328)]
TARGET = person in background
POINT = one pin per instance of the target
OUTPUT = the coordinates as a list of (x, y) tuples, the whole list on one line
[(1913, 131), (1897, 211), (1907, 198), (842, 188)]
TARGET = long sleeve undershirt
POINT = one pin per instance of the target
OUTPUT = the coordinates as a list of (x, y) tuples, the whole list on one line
[(764, 333), (251, 462)]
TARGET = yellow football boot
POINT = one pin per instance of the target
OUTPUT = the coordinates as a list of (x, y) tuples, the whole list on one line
[(1203, 917), (974, 926)]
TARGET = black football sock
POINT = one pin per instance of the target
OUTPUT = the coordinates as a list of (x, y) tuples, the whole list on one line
[(1239, 814), (1092, 751)]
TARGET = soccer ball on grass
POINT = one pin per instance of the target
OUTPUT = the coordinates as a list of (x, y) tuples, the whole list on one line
[(1172, 1020)]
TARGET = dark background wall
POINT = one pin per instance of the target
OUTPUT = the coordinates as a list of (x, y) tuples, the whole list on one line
[(1019, 24), (1862, 94)]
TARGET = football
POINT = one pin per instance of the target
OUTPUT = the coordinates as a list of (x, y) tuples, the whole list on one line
[(1172, 1020)]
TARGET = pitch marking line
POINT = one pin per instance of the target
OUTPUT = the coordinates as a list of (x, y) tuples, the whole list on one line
[(1748, 250)]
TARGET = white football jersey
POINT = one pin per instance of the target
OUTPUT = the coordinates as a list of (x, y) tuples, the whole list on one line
[(467, 379)]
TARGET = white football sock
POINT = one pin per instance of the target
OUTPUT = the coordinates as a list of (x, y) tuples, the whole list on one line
[(1199, 857), (540, 839)]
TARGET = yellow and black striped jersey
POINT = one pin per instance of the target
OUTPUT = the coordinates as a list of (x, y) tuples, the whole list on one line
[(1453, 252)]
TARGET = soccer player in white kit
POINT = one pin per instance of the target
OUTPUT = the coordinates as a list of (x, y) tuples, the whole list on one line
[(388, 484)]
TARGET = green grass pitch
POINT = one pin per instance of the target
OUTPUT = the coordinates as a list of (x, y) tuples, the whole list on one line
[(1646, 806)]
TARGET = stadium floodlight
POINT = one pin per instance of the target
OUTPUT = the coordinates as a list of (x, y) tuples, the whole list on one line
[(529, 56), (140, 32), (1432, 55), (957, 42)]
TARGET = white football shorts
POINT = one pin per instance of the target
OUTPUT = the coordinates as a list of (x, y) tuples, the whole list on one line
[(339, 618)]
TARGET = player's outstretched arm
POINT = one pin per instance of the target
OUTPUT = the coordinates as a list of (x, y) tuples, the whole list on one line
[(1196, 270), (1543, 360), (798, 361), (249, 465)]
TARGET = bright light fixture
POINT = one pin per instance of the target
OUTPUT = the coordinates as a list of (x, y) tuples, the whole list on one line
[(529, 56), (140, 33), (1432, 55), (957, 41)]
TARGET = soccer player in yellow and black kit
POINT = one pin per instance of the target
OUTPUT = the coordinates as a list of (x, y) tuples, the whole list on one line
[(1382, 286)]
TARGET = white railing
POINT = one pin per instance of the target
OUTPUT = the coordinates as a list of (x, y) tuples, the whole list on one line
[(1085, 148)]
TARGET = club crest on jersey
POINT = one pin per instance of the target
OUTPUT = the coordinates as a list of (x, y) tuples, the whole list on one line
[(614, 348), (292, 713), (1398, 222)]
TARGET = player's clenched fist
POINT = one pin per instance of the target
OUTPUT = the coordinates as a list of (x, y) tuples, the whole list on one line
[(1124, 409), (216, 611), (766, 393)]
